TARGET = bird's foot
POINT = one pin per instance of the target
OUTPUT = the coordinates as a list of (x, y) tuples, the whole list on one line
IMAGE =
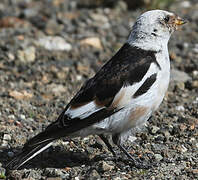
[(127, 161)]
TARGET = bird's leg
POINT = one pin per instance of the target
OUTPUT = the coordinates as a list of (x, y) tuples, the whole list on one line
[(116, 141), (105, 140)]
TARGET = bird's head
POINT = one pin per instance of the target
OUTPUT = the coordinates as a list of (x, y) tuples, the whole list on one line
[(155, 26)]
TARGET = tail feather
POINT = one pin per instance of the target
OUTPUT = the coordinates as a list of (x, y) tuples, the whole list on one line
[(27, 154), (35, 146)]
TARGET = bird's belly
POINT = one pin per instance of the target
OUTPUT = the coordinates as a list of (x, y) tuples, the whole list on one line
[(135, 114), (124, 120)]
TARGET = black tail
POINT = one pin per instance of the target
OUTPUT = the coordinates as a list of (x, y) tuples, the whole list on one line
[(35, 146)]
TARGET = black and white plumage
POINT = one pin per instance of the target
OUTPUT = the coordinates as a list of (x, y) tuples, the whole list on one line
[(122, 95)]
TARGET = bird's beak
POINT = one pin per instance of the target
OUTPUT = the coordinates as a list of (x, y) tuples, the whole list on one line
[(179, 21)]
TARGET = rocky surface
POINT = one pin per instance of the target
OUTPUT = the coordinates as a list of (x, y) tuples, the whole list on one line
[(49, 48)]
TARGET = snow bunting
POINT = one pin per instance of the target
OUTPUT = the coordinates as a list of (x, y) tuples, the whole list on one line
[(122, 95)]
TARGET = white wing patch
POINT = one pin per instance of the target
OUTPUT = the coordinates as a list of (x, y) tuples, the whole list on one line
[(83, 111), (124, 96)]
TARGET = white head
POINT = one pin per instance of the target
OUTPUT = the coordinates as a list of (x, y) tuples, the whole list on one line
[(154, 28)]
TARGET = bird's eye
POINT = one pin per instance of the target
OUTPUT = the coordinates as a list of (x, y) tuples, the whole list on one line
[(167, 18)]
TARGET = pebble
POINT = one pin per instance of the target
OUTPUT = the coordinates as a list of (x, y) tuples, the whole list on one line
[(132, 138), (2, 173), (57, 88), (195, 74), (54, 43), (94, 175), (179, 76), (117, 178), (196, 100), (121, 31), (180, 108), (54, 178), (185, 4), (27, 55), (78, 77), (92, 41), (11, 116), (10, 154), (11, 56), (6, 139), (30, 12), (52, 172), (195, 84), (158, 157), (22, 117), (180, 85), (154, 129), (52, 28), (105, 167), (195, 49), (99, 17), (183, 148)]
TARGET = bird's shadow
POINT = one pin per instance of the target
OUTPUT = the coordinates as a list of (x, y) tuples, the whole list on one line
[(51, 158)]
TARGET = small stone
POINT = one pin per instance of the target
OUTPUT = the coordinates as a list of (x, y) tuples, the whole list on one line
[(105, 167), (55, 88), (185, 4), (94, 175), (11, 116), (92, 41), (54, 178), (195, 84), (6, 139), (132, 138), (158, 157), (121, 31), (195, 73), (195, 101), (180, 85), (22, 117), (10, 154), (27, 55), (179, 76), (20, 95), (183, 148), (195, 49), (78, 77), (186, 45), (154, 129), (11, 56), (30, 12), (61, 75), (99, 17), (2, 173), (54, 43), (167, 135), (52, 28), (180, 108), (117, 178), (195, 171), (55, 173)]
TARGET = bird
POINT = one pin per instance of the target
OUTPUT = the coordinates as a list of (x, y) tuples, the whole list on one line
[(122, 95)]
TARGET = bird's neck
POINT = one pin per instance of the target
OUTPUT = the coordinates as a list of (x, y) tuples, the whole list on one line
[(148, 42)]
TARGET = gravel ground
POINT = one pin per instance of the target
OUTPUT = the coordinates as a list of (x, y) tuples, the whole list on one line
[(49, 48)]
